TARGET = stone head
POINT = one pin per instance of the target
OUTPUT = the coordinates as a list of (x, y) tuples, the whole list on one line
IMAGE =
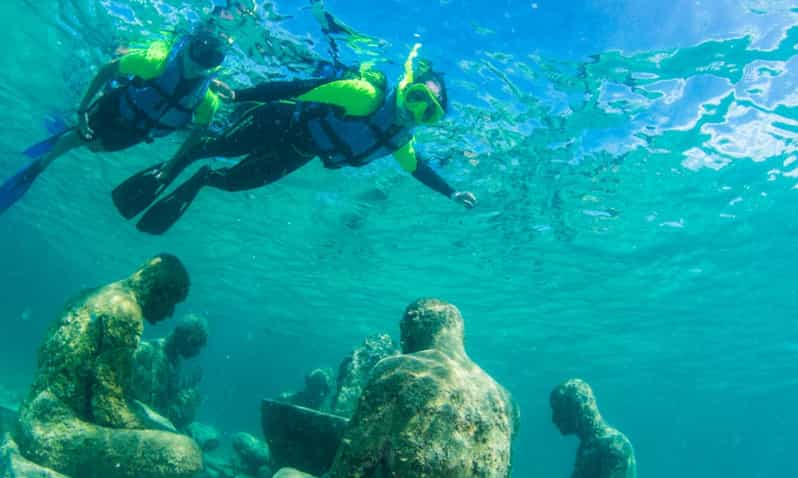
[(317, 383), (190, 336), (432, 324), (573, 407), (160, 284)]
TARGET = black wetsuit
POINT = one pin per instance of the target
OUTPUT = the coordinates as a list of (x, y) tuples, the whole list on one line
[(275, 140)]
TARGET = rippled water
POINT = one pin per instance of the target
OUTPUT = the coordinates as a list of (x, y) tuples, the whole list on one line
[(636, 166)]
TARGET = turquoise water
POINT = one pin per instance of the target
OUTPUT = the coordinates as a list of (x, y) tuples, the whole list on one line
[(636, 168)]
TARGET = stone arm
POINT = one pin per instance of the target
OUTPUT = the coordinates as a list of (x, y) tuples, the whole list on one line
[(120, 333)]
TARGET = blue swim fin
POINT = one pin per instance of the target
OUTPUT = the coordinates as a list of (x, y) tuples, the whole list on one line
[(56, 126), (17, 185), (40, 149)]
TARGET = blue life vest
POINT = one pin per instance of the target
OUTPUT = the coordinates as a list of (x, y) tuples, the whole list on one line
[(356, 141), (166, 103)]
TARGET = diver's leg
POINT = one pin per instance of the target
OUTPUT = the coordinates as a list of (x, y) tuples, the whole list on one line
[(251, 173), (69, 141), (244, 137), (256, 171), (140, 190)]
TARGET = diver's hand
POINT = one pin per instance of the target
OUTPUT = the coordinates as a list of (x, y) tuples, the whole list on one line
[(84, 129), (225, 91), (467, 199)]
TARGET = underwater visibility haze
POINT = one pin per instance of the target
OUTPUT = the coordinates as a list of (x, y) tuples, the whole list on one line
[(636, 168)]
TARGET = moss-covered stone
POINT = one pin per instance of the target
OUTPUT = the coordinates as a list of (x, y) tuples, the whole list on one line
[(430, 412), (78, 418), (291, 473), (252, 453), (13, 464)]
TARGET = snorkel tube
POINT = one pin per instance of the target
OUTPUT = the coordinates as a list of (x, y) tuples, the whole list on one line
[(414, 94), (408, 78)]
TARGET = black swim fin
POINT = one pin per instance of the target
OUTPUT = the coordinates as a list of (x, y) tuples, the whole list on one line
[(17, 185), (161, 216), (137, 192)]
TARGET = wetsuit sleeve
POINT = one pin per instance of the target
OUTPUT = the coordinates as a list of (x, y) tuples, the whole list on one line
[(146, 63), (406, 156), (278, 90), (203, 115), (356, 97)]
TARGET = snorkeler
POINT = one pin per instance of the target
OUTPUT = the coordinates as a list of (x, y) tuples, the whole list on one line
[(347, 122), (160, 89), (604, 452)]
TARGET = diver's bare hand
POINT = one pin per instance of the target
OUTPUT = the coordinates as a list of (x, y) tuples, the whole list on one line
[(225, 91), (467, 199), (84, 129)]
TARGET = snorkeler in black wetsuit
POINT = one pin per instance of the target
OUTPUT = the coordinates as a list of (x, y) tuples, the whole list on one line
[(347, 122)]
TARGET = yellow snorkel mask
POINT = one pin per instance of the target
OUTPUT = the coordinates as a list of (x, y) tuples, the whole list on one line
[(421, 92)]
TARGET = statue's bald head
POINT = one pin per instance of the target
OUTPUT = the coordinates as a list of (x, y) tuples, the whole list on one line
[(573, 406), (160, 284), (431, 324)]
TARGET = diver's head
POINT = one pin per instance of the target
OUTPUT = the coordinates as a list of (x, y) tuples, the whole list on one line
[(422, 94), (573, 408), (205, 52), (160, 284), (189, 337), (432, 324)]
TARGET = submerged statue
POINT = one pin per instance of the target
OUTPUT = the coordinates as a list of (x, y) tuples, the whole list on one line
[(604, 452), (157, 379), (431, 411), (317, 389), (78, 419)]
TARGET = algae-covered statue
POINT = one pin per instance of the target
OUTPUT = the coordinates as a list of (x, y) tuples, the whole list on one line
[(431, 411), (314, 395), (157, 378), (604, 452), (355, 369), (78, 418)]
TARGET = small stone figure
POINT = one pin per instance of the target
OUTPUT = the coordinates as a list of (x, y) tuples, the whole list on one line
[(157, 379), (78, 419), (431, 411), (604, 452), (317, 389)]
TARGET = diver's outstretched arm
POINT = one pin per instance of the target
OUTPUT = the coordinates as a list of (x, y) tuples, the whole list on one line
[(108, 72), (412, 163)]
